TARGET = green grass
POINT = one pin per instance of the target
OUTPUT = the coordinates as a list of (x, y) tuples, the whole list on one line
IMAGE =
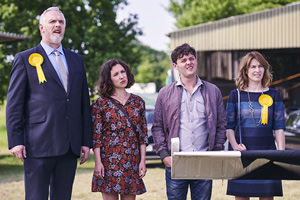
[(12, 176), (11, 169), (3, 136)]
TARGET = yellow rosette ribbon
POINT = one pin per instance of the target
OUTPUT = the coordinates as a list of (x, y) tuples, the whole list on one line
[(36, 60), (265, 101)]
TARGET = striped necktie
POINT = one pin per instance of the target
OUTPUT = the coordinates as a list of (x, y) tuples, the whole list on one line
[(62, 69)]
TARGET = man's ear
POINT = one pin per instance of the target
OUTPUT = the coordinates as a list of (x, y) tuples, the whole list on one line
[(174, 65), (41, 27)]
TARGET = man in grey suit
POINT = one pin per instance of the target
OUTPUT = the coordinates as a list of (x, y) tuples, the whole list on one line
[(48, 112)]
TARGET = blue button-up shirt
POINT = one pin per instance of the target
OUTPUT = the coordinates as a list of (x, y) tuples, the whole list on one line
[(49, 51), (193, 133)]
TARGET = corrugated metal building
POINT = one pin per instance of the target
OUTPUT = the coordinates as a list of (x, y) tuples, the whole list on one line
[(268, 29), (220, 44), (11, 37)]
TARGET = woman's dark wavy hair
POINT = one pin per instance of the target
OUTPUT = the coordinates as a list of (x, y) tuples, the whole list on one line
[(105, 86), (242, 79)]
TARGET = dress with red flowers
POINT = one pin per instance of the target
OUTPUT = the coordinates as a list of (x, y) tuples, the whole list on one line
[(119, 144)]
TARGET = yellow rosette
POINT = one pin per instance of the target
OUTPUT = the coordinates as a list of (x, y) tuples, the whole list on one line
[(265, 101), (36, 60)]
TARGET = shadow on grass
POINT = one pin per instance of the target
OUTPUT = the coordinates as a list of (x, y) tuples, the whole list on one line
[(10, 159), (156, 164), (11, 173), (11, 169)]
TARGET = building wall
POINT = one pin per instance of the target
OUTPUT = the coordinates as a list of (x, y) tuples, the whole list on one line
[(268, 29)]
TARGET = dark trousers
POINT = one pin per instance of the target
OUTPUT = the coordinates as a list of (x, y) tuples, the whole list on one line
[(58, 172)]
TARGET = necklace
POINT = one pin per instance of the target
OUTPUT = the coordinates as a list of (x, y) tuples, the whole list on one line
[(252, 110), (121, 100)]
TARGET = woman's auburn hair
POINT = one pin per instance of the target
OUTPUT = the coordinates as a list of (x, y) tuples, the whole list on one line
[(242, 79), (105, 86)]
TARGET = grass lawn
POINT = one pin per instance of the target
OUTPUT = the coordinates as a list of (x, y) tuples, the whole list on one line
[(3, 136), (12, 181)]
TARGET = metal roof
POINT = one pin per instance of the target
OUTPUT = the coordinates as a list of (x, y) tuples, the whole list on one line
[(11, 37), (267, 29)]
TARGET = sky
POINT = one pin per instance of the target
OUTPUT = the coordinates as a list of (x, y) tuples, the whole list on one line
[(154, 20)]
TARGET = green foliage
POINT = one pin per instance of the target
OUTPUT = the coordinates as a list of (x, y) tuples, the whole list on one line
[(193, 12), (91, 31), (153, 68)]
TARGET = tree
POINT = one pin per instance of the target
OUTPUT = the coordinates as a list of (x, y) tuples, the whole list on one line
[(193, 12), (154, 66), (91, 30)]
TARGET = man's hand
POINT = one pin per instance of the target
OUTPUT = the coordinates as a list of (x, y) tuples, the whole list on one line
[(167, 161), (19, 151), (86, 151)]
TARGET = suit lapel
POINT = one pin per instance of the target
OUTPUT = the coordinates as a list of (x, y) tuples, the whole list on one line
[(48, 67)]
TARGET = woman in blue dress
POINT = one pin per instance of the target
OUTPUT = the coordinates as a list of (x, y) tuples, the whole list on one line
[(261, 117)]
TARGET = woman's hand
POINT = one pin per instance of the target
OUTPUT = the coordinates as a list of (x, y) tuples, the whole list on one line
[(235, 146), (280, 139), (99, 170), (142, 165), (239, 147), (142, 169)]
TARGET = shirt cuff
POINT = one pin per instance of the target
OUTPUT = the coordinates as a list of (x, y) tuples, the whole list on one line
[(164, 153)]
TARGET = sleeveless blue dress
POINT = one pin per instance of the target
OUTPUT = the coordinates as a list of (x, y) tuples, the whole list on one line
[(255, 137)]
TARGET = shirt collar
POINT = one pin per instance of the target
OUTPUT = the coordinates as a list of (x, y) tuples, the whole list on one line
[(198, 84), (49, 49)]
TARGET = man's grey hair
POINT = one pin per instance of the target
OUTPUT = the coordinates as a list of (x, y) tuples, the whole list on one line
[(42, 17)]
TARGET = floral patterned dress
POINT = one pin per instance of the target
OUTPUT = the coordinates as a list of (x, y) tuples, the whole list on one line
[(119, 144)]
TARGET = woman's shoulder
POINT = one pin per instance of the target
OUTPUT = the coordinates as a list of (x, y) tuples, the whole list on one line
[(100, 100), (135, 96), (275, 94), (233, 95), (273, 90), (234, 92), (137, 99)]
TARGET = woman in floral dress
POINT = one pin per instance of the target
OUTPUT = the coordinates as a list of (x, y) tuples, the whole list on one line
[(119, 135)]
